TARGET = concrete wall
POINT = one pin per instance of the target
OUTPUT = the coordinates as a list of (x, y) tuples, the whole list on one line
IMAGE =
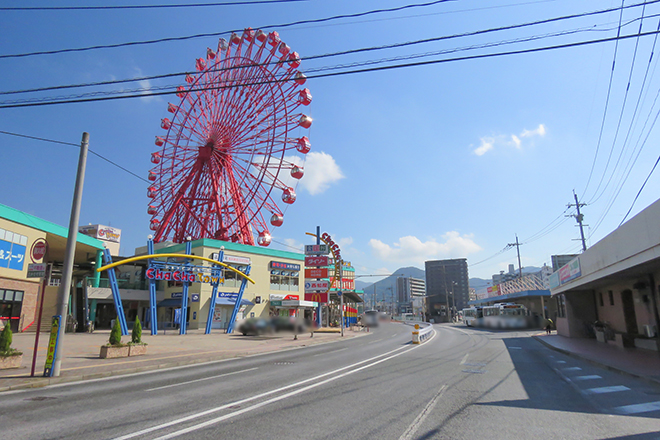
[(580, 315)]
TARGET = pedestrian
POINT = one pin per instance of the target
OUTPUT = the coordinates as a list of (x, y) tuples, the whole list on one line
[(548, 327)]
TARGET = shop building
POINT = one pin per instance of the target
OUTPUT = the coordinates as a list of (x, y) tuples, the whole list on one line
[(20, 236), (278, 288), (610, 291)]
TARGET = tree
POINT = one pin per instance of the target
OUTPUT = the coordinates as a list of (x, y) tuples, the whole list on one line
[(5, 339), (136, 335), (115, 334)]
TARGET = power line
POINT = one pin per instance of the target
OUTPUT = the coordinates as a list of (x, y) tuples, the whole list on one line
[(350, 72), (191, 5), (74, 145), (215, 34), (607, 100), (333, 54), (618, 126), (319, 69), (640, 191)]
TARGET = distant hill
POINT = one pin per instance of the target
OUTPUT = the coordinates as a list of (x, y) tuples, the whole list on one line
[(385, 289)]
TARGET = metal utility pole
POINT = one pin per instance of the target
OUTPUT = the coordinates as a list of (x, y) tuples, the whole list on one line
[(579, 217), (67, 271), (517, 245)]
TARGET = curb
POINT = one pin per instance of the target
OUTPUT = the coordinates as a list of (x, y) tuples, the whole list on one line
[(647, 379), (44, 382)]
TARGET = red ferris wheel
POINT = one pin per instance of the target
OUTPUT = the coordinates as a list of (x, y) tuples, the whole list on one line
[(229, 144)]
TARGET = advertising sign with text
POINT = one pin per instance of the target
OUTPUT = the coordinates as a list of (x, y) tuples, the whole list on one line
[(317, 261), (312, 286), (311, 249), (316, 273)]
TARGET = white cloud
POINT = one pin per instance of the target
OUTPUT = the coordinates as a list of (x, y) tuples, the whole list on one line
[(539, 131), (321, 171), (345, 242), (489, 143), (145, 84), (412, 250)]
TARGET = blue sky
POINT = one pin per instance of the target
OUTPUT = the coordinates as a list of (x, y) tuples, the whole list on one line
[(446, 160)]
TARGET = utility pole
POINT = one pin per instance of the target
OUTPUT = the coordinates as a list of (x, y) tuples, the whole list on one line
[(579, 217), (67, 271), (517, 245)]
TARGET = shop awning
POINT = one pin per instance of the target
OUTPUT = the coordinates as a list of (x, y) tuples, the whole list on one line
[(170, 302), (349, 296), (232, 301)]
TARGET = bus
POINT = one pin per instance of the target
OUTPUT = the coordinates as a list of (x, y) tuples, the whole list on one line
[(505, 316), (473, 316), (370, 318)]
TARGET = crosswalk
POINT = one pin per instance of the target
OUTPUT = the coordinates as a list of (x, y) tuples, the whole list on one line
[(608, 390)]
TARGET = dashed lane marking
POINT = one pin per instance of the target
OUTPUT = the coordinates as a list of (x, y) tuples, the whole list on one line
[(572, 369), (464, 358), (638, 408), (603, 390), (589, 377)]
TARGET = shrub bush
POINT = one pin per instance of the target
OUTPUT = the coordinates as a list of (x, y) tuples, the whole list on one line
[(115, 334), (5, 339), (136, 335)]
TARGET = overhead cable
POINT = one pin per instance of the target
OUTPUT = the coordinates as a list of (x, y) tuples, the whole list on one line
[(111, 7)]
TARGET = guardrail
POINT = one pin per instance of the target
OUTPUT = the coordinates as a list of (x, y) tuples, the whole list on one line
[(421, 334)]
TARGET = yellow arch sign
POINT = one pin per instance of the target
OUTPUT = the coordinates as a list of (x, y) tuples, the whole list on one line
[(194, 257)]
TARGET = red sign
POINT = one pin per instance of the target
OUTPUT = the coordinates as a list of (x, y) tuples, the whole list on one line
[(316, 261), (317, 297), (39, 249), (316, 273), (292, 297)]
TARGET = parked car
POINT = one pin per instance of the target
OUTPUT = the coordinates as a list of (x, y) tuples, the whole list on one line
[(255, 326)]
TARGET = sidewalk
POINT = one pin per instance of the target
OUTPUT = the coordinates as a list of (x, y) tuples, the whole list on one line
[(80, 358), (643, 364)]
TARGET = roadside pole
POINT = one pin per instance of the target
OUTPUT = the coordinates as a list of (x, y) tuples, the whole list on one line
[(67, 271), (44, 283), (341, 296)]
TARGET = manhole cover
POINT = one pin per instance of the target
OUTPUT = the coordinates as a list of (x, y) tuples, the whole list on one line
[(283, 363)]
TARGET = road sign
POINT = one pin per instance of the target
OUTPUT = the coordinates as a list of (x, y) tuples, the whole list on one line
[(315, 261), (311, 249), (316, 273), (339, 293), (39, 249), (52, 345), (36, 270), (313, 286)]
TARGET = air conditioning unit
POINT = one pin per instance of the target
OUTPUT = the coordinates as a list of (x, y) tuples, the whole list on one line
[(649, 331)]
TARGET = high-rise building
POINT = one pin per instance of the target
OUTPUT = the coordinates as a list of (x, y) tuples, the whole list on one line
[(447, 288), (410, 293)]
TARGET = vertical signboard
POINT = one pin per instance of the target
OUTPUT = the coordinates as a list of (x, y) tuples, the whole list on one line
[(52, 345)]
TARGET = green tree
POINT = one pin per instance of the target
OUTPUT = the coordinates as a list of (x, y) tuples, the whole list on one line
[(136, 335), (115, 334), (5, 339)]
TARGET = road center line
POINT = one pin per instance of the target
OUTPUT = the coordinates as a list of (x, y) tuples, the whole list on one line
[(330, 352), (464, 358), (278, 398), (255, 397), (414, 426), (200, 380)]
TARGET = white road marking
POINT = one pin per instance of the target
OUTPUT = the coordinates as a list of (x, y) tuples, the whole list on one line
[(474, 371), (330, 352), (414, 426), (572, 369), (638, 408), (278, 398), (515, 348), (464, 358), (590, 377), (561, 362), (603, 390), (267, 393), (200, 380)]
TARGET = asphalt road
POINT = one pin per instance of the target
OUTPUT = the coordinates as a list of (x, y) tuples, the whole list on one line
[(461, 384)]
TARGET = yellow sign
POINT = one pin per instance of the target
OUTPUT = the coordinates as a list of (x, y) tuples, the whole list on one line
[(52, 346)]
